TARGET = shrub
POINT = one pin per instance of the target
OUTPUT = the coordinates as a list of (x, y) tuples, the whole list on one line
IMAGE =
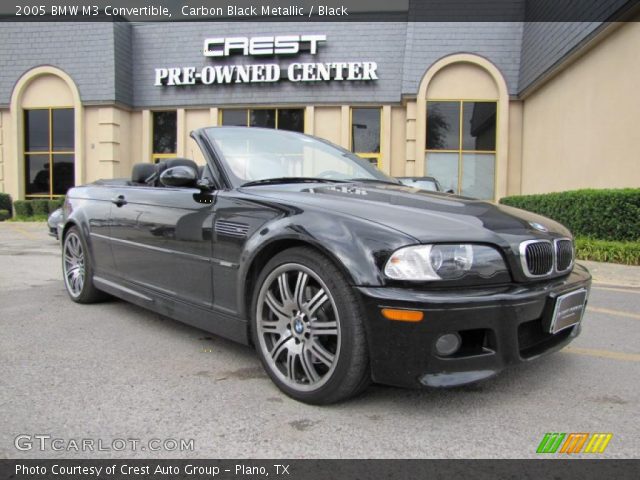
[(55, 204), (40, 207), (4, 214), (627, 253), (23, 208), (5, 202), (597, 214)]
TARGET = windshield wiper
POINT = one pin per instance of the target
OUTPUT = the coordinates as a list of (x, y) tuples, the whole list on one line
[(272, 181), (374, 180)]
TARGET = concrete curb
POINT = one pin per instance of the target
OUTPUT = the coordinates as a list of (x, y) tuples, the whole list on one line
[(612, 274)]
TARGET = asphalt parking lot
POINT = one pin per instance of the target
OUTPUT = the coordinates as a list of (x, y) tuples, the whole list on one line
[(115, 371)]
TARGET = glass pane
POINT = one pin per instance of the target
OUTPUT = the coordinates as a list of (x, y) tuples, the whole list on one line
[(372, 160), (365, 130), (165, 134), (36, 130), (291, 119), (263, 118), (235, 118), (63, 173), (478, 175), (444, 167), (63, 129), (479, 126), (37, 174), (443, 125)]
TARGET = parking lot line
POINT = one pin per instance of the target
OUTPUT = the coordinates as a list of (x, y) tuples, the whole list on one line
[(23, 232), (592, 352), (619, 313)]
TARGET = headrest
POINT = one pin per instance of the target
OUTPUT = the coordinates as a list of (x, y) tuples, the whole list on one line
[(176, 162), (142, 171)]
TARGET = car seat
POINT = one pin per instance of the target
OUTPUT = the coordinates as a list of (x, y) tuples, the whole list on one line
[(141, 173)]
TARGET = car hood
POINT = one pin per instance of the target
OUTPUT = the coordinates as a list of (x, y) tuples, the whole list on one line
[(426, 216)]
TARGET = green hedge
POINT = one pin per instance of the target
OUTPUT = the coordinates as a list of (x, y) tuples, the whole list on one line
[(597, 214), (4, 215), (39, 208), (627, 253), (55, 204), (23, 208), (5, 202)]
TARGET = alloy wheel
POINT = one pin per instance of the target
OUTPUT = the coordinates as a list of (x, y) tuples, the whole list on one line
[(298, 327), (73, 264)]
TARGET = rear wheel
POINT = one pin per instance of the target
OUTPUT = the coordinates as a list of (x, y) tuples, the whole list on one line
[(308, 328), (77, 269)]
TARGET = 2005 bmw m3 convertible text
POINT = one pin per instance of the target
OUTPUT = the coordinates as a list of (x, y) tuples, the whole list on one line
[(336, 273)]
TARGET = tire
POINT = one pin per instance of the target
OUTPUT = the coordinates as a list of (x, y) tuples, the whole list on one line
[(77, 271), (307, 325)]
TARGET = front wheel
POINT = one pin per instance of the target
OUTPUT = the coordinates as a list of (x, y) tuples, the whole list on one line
[(308, 328), (77, 269)]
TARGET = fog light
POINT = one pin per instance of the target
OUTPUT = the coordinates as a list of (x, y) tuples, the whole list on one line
[(448, 344)]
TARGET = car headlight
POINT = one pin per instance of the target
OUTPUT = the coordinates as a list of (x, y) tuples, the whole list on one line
[(444, 262)]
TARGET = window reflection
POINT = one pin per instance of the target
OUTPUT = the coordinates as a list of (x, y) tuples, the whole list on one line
[(479, 126), (49, 142), (263, 118), (63, 129), (365, 133), (461, 145), (365, 126), (291, 119), (478, 175), (234, 118), (36, 131), (443, 126), (165, 132)]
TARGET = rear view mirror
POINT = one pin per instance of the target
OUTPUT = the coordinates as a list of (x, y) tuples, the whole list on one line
[(180, 176)]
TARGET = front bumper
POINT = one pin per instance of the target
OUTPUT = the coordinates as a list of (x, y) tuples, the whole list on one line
[(498, 326), (53, 231)]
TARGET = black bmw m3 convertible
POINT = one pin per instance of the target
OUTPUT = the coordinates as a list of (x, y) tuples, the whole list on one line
[(337, 274)]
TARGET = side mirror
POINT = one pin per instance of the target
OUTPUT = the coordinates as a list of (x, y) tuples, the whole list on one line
[(180, 176)]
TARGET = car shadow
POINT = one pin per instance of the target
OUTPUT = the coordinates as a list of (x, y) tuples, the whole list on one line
[(516, 380)]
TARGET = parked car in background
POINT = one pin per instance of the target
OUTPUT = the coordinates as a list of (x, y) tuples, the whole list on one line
[(54, 223), (337, 274), (429, 184)]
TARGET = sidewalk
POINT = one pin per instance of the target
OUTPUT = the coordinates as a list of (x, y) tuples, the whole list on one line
[(613, 274)]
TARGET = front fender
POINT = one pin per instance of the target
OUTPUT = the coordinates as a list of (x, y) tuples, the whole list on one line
[(357, 246), (75, 215), (88, 209)]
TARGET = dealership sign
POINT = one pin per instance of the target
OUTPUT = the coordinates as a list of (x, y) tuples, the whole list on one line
[(279, 45)]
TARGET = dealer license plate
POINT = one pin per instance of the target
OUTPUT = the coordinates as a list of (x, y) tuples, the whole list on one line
[(568, 310)]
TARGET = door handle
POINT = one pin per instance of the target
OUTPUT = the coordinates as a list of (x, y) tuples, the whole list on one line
[(119, 201)]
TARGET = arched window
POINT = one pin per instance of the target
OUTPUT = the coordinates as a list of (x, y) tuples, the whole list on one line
[(462, 126), (46, 115)]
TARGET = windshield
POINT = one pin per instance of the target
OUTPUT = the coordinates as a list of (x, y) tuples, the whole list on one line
[(256, 154)]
